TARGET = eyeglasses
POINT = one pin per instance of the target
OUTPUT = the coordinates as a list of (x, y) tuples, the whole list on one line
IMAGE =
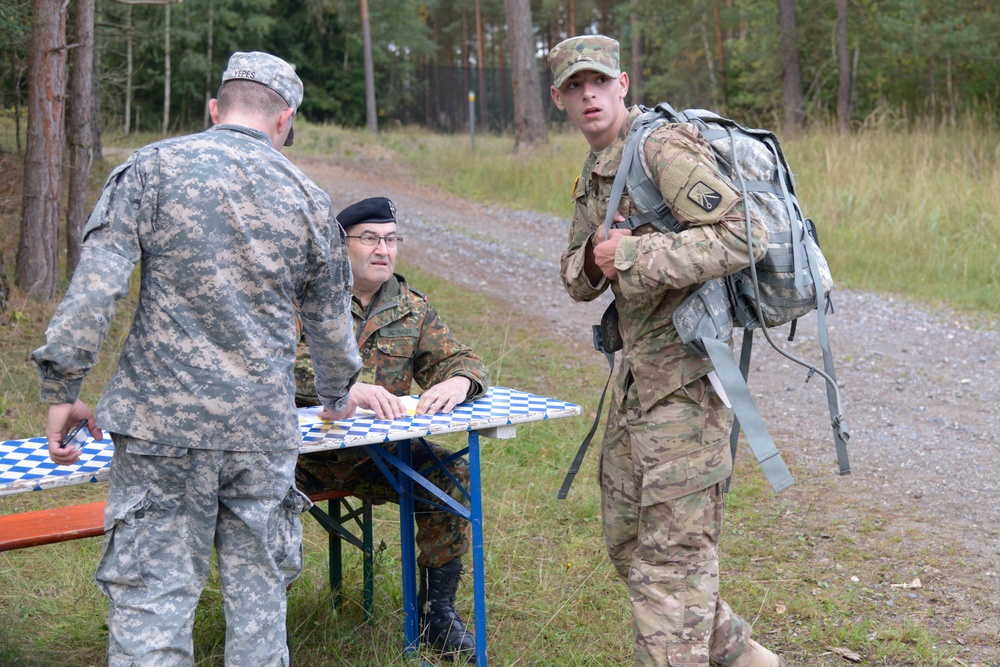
[(369, 239)]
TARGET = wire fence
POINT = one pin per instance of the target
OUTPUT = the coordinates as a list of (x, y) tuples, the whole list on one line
[(444, 100)]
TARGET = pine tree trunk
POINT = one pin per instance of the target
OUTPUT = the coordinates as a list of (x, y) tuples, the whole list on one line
[(4, 285), (481, 66), (371, 112), (635, 69), (209, 93), (721, 45), (128, 69), (791, 77), (843, 70), (529, 116), (78, 128), (96, 147), (38, 247), (166, 70)]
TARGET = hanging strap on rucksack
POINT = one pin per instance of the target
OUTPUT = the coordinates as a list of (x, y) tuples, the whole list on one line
[(607, 339), (704, 323), (841, 433)]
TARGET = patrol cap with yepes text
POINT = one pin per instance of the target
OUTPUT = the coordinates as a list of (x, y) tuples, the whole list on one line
[(373, 209), (586, 52), (269, 70)]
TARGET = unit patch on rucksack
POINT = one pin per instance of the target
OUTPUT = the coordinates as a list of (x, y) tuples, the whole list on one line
[(777, 290)]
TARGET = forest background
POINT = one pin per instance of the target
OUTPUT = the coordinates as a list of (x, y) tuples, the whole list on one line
[(156, 64)]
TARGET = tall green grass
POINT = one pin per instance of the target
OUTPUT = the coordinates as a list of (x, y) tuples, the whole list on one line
[(912, 212)]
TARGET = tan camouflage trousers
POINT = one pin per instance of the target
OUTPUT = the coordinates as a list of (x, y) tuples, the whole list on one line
[(441, 536), (662, 476), (167, 508)]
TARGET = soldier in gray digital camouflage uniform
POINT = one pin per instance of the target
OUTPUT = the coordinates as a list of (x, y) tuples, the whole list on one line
[(664, 458), (402, 340), (231, 239)]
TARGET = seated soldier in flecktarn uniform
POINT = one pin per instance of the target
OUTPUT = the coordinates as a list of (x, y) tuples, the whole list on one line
[(402, 340)]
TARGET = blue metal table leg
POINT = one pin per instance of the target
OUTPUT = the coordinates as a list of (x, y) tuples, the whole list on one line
[(409, 553), (478, 573)]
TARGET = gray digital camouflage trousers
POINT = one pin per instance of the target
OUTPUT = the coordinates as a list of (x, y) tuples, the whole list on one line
[(167, 507), (662, 477), (441, 535)]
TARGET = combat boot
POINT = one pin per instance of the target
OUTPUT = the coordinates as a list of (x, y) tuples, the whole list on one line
[(440, 624), (757, 656)]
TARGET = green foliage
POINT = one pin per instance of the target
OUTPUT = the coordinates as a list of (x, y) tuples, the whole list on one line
[(917, 55), (15, 25)]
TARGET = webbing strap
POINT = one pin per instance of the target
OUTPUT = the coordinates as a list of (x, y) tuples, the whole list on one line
[(618, 187), (841, 433), (640, 219), (582, 451), (765, 186), (746, 411), (621, 176), (797, 230), (734, 435)]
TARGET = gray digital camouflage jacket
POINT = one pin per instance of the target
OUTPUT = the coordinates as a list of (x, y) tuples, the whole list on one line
[(230, 238)]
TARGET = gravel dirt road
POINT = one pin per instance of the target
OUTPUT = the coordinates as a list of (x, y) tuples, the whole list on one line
[(921, 390)]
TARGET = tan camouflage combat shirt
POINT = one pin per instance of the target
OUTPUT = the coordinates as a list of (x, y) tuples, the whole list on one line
[(230, 238), (657, 271), (402, 340)]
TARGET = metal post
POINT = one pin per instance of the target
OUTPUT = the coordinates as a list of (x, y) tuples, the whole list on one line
[(478, 575), (472, 119)]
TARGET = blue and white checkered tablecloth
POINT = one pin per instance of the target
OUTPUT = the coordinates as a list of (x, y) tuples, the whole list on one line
[(25, 464)]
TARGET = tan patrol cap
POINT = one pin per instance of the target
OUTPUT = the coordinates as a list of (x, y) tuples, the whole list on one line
[(586, 52)]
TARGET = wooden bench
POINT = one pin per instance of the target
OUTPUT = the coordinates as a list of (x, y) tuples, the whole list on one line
[(61, 524)]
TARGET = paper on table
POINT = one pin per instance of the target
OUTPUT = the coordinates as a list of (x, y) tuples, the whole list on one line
[(409, 404)]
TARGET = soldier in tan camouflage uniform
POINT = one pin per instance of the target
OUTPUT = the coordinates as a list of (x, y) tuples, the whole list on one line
[(402, 341), (664, 459), (231, 240)]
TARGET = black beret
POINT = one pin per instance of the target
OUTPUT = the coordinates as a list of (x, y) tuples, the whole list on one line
[(373, 209)]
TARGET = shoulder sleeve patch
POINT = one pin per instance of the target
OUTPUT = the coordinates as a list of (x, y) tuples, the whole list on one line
[(704, 196)]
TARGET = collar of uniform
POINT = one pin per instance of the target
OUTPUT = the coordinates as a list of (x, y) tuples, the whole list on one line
[(252, 131), (606, 161), (391, 303), (392, 294)]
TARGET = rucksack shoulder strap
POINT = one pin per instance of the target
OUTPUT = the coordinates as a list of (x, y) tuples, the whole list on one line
[(634, 174)]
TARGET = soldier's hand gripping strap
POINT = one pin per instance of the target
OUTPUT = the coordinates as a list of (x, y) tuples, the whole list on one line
[(704, 323)]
